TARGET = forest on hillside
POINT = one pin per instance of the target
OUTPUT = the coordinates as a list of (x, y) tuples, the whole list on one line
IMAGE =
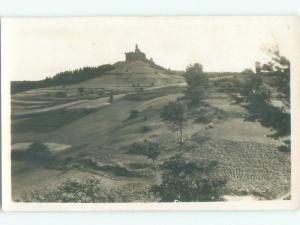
[(62, 78)]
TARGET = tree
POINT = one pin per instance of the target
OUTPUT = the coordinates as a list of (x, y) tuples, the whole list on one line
[(62, 78), (247, 71), (174, 114), (258, 96), (282, 73), (188, 182), (257, 67), (197, 82)]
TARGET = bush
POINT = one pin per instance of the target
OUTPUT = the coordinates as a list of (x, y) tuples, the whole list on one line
[(147, 148), (37, 152), (133, 114), (61, 94), (111, 98), (81, 91), (146, 129), (203, 119), (286, 147), (188, 182)]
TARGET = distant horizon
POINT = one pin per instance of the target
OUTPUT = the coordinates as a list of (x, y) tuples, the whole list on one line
[(43, 47)]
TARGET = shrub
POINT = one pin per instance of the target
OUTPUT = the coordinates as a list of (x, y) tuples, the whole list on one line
[(147, 148), (133, 114), (60, 94), (146, 129), (71, 190), (203, 119), (81, 91), (188, 182), (111, 98), (37, 152), (286, 147)]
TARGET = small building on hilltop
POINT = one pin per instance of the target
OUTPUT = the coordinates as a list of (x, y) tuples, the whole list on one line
[(141, 56), (136, 55)]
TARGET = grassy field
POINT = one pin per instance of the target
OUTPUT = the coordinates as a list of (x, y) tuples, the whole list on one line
[(98, 139)]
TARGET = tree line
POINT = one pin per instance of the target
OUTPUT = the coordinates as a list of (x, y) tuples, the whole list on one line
[(62, 78)]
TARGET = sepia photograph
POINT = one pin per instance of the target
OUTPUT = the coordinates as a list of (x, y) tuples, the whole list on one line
[(159, 112)]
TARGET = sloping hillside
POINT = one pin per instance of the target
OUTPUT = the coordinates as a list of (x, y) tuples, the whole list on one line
[(132, 74), (96, 145)]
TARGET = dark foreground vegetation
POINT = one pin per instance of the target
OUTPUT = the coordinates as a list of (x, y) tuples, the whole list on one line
[(182, 181), (90, 190)]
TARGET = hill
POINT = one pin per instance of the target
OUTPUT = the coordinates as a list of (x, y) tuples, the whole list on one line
[(132, 74), (135, 70), (88, 127)]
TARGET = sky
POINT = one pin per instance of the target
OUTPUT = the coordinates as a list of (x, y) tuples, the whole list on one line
[(34, 48)]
